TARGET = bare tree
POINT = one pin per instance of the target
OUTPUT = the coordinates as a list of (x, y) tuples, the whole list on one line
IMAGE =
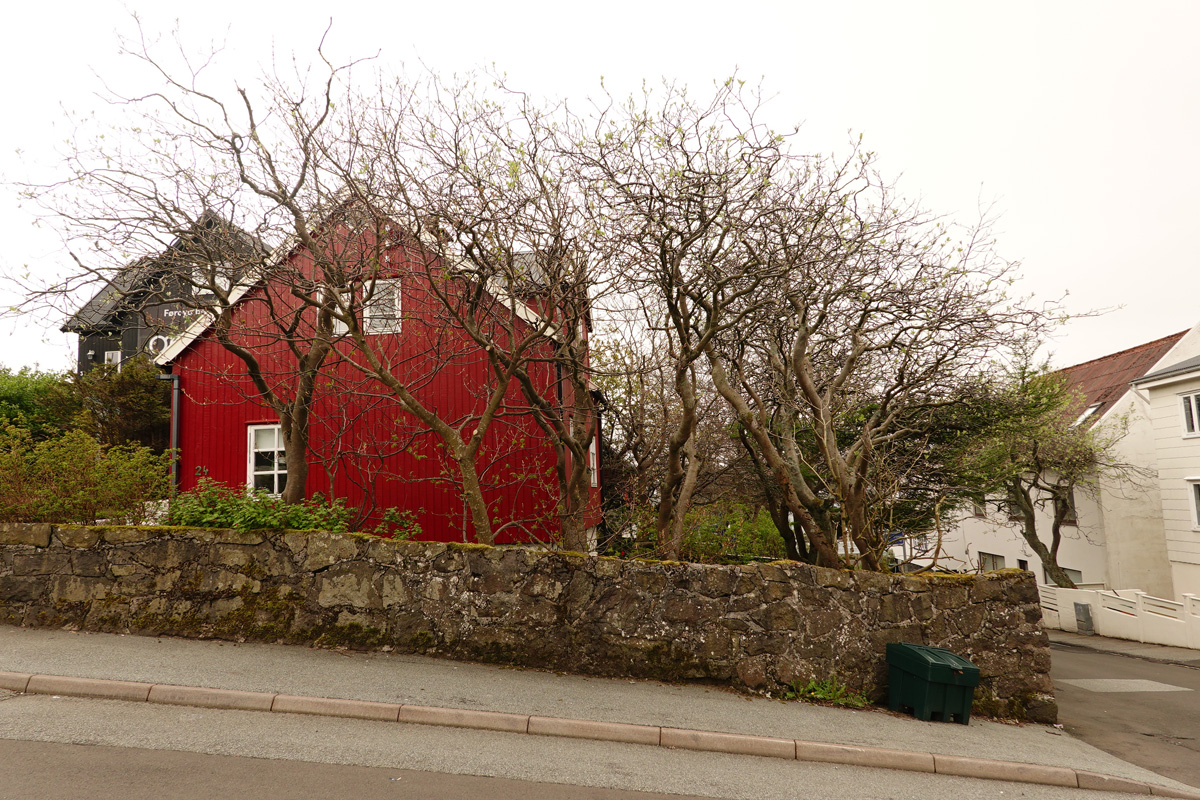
[(327, 177), (882, 316), (675, 188)]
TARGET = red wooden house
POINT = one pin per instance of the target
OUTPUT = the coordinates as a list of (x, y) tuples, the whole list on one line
[(363, 446)]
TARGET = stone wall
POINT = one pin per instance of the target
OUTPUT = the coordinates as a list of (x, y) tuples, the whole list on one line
[(759, 627)]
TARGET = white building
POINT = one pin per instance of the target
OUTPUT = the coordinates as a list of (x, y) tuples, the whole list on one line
[(1118, 540), (1173, 393)]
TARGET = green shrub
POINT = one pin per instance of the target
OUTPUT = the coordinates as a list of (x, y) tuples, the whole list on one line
[(72, 478), (214, 505), (729, 535), (829, 691), (29, 399), (398, 524)]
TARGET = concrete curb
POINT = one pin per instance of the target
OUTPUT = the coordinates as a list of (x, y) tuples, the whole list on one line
[(707, 741)]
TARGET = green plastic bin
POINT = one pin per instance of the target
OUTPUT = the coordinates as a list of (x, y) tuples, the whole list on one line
[(934, 683)]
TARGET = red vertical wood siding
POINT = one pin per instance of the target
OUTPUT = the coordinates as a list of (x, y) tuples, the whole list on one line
[(363, 447)]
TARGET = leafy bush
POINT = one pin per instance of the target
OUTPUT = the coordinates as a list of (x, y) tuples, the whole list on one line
[(398, 524), (215, 505), (730, 535), (72, 478), (29, 399), (129, 404)]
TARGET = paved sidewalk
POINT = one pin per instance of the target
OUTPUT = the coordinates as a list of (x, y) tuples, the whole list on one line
[(418, 681), (1154, 652)]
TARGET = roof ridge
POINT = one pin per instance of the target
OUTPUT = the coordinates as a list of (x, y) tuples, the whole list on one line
[(1175, 336)]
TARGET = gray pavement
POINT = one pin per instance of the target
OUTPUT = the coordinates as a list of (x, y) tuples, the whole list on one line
[(52, 771), (1144, 709), (1152, 652), (412, 679), (456, 751)]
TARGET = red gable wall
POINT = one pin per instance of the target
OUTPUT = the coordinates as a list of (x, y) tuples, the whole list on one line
[(364, 448)]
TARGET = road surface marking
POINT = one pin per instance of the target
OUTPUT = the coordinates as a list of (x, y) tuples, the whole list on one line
[(1118, 685)]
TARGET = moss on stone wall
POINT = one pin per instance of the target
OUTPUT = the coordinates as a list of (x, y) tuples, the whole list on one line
[(758, 627)]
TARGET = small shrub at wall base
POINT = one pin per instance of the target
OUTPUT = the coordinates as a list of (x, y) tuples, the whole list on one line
[(214, 505), (827, 691)]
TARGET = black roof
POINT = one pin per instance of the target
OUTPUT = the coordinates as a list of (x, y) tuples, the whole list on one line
[(99, 312)]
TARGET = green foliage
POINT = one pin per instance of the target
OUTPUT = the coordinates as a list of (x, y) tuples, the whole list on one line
[(733, 534), (215, 505), (398, 524), (829, 691), (28, 400), (114, 406), (72, 478), (728, 533), (129, 404)]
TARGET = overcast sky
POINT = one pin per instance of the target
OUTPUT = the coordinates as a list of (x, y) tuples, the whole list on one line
[(1078, 123)]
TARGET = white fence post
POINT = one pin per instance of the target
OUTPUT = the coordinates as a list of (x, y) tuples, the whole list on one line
[(1191, 616)]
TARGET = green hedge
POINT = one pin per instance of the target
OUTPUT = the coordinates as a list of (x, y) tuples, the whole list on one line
[(72, 478)]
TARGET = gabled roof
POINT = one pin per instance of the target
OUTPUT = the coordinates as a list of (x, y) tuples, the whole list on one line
[(1102, 381), (99, 312)]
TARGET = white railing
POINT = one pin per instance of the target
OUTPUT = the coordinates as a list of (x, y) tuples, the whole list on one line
[(1125, 614)]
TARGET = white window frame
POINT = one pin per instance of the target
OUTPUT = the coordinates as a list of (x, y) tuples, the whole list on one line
[(113, 358), (1087, 412), (1072, 518), (278, 474), (1189, 414), (1193, 490), (1076, 575), (594, 462), (979, 507), (992, 560), (381, 314)]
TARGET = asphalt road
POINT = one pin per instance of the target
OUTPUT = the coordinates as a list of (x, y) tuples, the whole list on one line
[(107, 743), (1145, 712), (50, 771)]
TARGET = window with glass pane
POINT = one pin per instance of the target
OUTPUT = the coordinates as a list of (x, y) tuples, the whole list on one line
[(268, 462), (1191, 414), (381, 314), (594, 462), (990, 561)]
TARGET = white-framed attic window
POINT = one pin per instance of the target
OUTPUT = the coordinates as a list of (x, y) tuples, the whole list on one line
[(380, 310), (594, 462), (1087, 414)]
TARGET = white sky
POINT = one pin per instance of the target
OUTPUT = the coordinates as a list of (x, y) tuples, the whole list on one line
[(1078, 121)]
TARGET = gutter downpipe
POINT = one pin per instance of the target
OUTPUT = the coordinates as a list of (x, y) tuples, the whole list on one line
[(174, 379)]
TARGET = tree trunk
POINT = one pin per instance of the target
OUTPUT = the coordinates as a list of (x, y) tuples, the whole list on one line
[(1019, 494), (473, 497), (675, 543), (295, 448)]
